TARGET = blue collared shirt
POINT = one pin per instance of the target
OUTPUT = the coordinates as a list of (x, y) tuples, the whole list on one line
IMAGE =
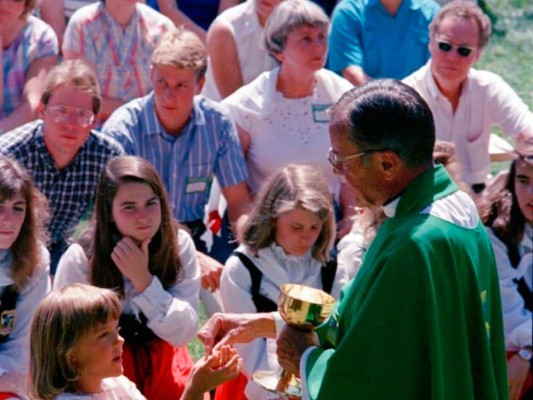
[(208, 146), (70, 190), (364, 34)]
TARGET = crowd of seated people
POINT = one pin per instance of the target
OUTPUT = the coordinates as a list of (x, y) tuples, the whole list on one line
[(121, 120)]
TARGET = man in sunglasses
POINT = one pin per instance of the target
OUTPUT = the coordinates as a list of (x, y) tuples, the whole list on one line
[(61, 151), (465, 102)]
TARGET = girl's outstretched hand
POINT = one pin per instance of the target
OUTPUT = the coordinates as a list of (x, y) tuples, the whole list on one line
[(132, 261), (221, 365)]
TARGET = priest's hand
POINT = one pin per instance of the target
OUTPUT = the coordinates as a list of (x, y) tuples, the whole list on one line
[(227, 329), (291, 344)]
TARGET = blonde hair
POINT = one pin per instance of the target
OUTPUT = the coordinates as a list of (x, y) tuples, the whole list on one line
[(26, 249), (292, 187), (62, 319), (182, 49)]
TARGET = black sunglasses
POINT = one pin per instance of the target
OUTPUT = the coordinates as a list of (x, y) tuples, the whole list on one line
[(463, 51)]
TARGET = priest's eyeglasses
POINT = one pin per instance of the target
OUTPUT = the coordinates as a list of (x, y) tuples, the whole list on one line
[(337, 162)]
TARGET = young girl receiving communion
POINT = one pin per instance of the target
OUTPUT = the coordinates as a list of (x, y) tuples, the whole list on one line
[(76, 350)]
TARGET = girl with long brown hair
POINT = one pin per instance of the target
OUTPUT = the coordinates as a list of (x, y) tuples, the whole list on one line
[(24, 270)]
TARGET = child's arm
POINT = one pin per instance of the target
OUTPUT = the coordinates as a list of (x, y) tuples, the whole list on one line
[(221, 365)]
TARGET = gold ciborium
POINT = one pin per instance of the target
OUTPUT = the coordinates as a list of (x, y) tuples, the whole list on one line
[(301, 307)]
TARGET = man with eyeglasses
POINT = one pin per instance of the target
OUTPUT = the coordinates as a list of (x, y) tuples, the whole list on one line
[(466, 102), (422, 319), (61, 151)]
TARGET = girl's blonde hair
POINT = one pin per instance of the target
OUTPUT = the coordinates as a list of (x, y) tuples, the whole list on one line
[(26, 249), (292, 187), (62, 319)]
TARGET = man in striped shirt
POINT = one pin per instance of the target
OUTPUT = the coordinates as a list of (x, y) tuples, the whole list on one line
[(188, 138)]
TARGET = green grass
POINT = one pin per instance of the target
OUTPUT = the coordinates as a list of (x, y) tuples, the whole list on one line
[(510, 49), (196, 348)]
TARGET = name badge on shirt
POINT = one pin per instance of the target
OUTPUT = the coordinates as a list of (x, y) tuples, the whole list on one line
[(197, 185), (320, 113), (7, 322)]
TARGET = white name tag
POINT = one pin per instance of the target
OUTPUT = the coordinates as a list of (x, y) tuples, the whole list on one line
[(196, 186), (320, 112)]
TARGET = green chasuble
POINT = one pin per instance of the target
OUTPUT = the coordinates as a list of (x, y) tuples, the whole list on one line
[(422, 319)]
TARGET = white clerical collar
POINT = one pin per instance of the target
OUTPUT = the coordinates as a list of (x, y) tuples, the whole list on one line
[(390, 208)]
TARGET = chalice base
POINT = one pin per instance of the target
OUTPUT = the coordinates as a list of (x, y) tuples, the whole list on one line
[(279, 382)]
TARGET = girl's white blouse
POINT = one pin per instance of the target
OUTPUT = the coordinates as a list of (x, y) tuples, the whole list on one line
[(172, 314)]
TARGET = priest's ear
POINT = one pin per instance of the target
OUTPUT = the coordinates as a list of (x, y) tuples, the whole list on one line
[(390, 164)]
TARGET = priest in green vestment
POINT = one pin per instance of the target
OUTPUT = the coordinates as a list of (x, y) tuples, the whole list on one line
[(422, 319)]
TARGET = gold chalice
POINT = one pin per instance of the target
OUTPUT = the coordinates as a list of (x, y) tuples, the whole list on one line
[(301, 307)]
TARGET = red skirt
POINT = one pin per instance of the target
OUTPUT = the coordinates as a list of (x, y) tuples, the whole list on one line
[(159, 370), (232, 390), (5, 396), (527, 390)]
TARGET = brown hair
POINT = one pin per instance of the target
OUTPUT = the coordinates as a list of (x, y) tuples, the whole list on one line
[(29, 5), (75, 73), (182, 49), (466, 10), (499, 209), (291, 187), (60, 322), (163, 249), (26, 249)]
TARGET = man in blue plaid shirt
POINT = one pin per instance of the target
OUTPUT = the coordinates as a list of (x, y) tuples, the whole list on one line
[(61, 151)]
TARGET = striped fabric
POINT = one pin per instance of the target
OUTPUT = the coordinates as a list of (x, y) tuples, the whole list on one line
[(121, 56), (37, 40), (208, 146)]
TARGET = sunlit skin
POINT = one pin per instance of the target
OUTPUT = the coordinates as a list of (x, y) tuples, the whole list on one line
[(174, 91), (12, 215), (305, 49), (11, 16), (98, 356), (64, 139), (449, 69), (362, 178), (523, 182), (136, 211), (297, 231)]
